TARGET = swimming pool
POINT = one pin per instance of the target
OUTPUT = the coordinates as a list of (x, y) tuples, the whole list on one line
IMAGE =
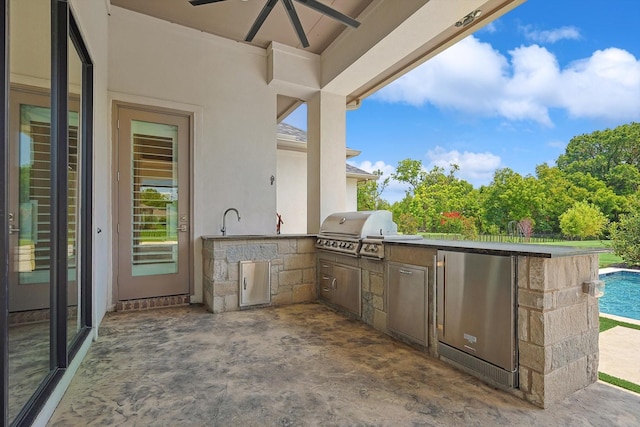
[(621, 294)]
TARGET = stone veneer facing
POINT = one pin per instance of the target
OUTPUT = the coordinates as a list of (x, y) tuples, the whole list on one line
[(293, 269), (558, 327)]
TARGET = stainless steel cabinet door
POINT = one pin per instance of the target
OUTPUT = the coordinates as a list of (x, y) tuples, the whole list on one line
[(346, 288), (407, 301), (255, 283), (476, 306)]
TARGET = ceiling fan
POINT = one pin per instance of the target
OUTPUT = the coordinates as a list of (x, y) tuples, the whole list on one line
[(293, 16)]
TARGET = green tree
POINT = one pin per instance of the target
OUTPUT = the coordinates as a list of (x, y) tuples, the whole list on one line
[(624, 179), (369, 193), (595, 191), (557, 195), (601, 152), (625, 238), (411, 172), (440, 193), (152, 198), (583, 220), (510, 197)]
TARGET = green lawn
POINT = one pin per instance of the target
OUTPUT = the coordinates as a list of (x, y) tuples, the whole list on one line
[(605, 259)]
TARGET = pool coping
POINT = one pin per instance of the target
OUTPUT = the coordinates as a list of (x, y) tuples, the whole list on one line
[(609, 270)]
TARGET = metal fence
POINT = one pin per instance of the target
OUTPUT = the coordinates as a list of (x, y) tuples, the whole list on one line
[(499, 238)]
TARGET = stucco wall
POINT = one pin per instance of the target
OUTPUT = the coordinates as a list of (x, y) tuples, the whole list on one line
[(352, 194), (157, 63), (93, 23), (292, 191)]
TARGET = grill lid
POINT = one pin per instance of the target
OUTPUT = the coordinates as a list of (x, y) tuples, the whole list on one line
[(359, 224)]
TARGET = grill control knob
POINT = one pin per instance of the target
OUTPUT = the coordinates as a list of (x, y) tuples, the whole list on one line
[(334, 244), (327, 243), (374, 248)]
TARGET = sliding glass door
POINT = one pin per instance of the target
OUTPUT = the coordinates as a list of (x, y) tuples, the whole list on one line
[(46, 200)]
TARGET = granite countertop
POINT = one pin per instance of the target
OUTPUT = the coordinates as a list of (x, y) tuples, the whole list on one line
[(256, 236), (491, 248)]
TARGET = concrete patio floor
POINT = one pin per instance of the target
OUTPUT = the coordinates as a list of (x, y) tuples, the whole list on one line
[(293, 366)]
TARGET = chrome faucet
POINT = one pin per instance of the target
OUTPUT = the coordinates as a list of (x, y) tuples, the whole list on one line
[(224, 220)]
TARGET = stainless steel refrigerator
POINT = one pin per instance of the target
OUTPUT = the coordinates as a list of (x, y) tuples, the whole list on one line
[(476, 313)]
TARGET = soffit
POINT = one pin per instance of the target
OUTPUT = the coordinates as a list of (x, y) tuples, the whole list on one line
[(232, 19)]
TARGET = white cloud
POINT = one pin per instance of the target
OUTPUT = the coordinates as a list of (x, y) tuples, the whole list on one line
[(395, 191), (551, 36), (491, 27), (474, 78), (606, 85), (477, 168)]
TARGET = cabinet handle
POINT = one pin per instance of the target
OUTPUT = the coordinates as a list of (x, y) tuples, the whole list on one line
[(326, 289), (334, 283), (405, 271), (244, 282)]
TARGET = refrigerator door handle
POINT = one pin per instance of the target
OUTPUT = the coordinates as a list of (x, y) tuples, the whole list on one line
[(440, 293)]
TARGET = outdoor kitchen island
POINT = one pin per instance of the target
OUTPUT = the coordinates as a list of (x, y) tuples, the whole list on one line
[(556, 310)]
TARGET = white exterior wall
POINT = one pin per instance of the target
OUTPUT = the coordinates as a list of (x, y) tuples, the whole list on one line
[(92, 20), (291, 181), (224, 83), (292, 191), (352, 194)]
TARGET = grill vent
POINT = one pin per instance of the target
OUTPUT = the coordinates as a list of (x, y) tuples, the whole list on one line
[(492, 372)]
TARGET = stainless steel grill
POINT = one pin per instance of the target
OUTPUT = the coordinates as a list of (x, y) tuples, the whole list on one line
[(344, 232)]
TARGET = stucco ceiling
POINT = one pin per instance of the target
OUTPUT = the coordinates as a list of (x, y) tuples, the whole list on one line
[(232, 19)]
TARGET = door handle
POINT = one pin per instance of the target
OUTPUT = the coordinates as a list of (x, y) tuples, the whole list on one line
[(12, 229), (182, 228)]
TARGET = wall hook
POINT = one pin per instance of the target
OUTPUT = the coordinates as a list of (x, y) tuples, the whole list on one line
[(273, 178)]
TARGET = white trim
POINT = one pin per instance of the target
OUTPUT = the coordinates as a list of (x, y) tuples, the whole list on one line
[(56, 396)]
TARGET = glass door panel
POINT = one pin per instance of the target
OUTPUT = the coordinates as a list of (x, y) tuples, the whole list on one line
[(73, 192), (154, 167)]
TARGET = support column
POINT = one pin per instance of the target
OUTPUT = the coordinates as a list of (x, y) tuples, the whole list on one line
[(326, 156)]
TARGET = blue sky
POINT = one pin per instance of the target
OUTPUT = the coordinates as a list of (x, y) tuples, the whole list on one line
[(511, 95)]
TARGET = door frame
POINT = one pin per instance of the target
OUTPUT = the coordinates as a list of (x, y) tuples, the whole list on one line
[(21, 94), (116, 105)]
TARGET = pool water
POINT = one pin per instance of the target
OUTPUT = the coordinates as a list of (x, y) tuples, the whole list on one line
[(621, 294)]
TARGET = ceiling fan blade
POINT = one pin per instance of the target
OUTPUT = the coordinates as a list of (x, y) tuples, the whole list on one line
[(201, 2), (266, 10), (295, 21), (330, 12)]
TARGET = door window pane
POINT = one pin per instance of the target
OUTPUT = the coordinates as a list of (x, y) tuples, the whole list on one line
[(73, 196), (154, 198)]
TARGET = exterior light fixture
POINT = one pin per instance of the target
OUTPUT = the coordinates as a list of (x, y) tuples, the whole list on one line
[(468, 19)]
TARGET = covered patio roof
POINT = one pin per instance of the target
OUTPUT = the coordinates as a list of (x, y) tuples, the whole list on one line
[(393, 37)]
